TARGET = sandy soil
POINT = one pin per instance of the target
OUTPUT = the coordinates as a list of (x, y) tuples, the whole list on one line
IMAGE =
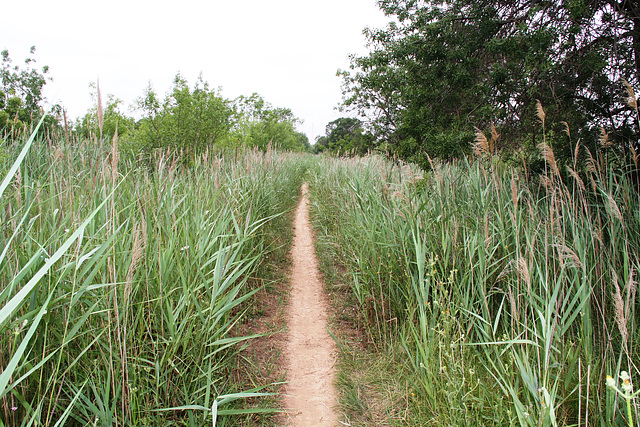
[(310, 394)]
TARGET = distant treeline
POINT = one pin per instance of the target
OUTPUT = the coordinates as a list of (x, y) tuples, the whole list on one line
[(187, 118)]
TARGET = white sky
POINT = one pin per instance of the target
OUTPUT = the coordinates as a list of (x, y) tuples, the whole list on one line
[(288, 51)]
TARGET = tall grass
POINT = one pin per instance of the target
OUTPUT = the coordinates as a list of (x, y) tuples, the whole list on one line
[(512, 299), (122, 282)]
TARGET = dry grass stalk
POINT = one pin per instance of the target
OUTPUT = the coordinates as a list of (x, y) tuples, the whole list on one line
[(540, 112), (577, 178), (523, 269), (57, 155), (621, 319), (514, 192), (66, 125), (100, 112), (632, 287), (114, 157), (495, 136), (604, 138), (549, 157), (137, 251), (632, 101), (17, 185)]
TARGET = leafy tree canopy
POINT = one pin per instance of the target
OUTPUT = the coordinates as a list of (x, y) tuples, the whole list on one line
[(21, 93), (344, 135), (259, 124), (112, 115), (193, 118), (199, 117), (442, 68)]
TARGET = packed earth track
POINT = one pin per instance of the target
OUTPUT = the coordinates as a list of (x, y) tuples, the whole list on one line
[(310, 394)]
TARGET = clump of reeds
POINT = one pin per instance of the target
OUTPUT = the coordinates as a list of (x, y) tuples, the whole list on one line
[(129, 282)]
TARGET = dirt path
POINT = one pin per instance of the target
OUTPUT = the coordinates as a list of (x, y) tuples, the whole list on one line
[(310, 394)]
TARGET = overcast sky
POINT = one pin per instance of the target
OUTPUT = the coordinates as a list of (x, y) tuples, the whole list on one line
[(288, 51)]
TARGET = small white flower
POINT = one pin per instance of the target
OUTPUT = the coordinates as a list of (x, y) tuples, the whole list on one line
[(184, 248)]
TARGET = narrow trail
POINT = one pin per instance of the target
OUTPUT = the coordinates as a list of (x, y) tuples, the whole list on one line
[(310, 394)]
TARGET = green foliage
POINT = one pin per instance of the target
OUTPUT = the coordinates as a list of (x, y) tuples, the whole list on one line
[(512, 297), (200, 118), (344, 135), (442, 69), (259, 124), (119, 288), (113, 118), (187, 119), (21, 94)]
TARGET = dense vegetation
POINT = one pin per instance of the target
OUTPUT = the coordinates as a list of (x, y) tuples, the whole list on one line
[(188, 119), (121, 283), (493, 279), (442, 68), (487, 298)]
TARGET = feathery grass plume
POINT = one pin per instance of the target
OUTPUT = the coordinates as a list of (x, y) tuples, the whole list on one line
[(632, 287), (523, 269), (137, 250), (100, 111), (481, 146), (575, 154), (57, 155), (591, 164), (613, 207), (621, 319), (433, 168), (66, 125), (566, 129), (634, 154), (632, 101), (495, 136), (577, 178), (540, 112), (549, 157), (604, 138), (566, 253)]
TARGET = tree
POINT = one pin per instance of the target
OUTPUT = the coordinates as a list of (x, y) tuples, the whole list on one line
[(113, 118), (187, 118), (21, 93), (444, 68), (259, 124), (344, 135)]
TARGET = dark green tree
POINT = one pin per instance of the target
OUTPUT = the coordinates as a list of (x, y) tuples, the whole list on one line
[(443, 68), (344, 135)]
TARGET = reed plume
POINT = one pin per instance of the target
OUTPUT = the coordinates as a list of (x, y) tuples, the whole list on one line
[(100, 112)]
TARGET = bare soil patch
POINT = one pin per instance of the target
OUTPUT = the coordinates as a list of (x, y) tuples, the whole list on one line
[(310, 394)]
